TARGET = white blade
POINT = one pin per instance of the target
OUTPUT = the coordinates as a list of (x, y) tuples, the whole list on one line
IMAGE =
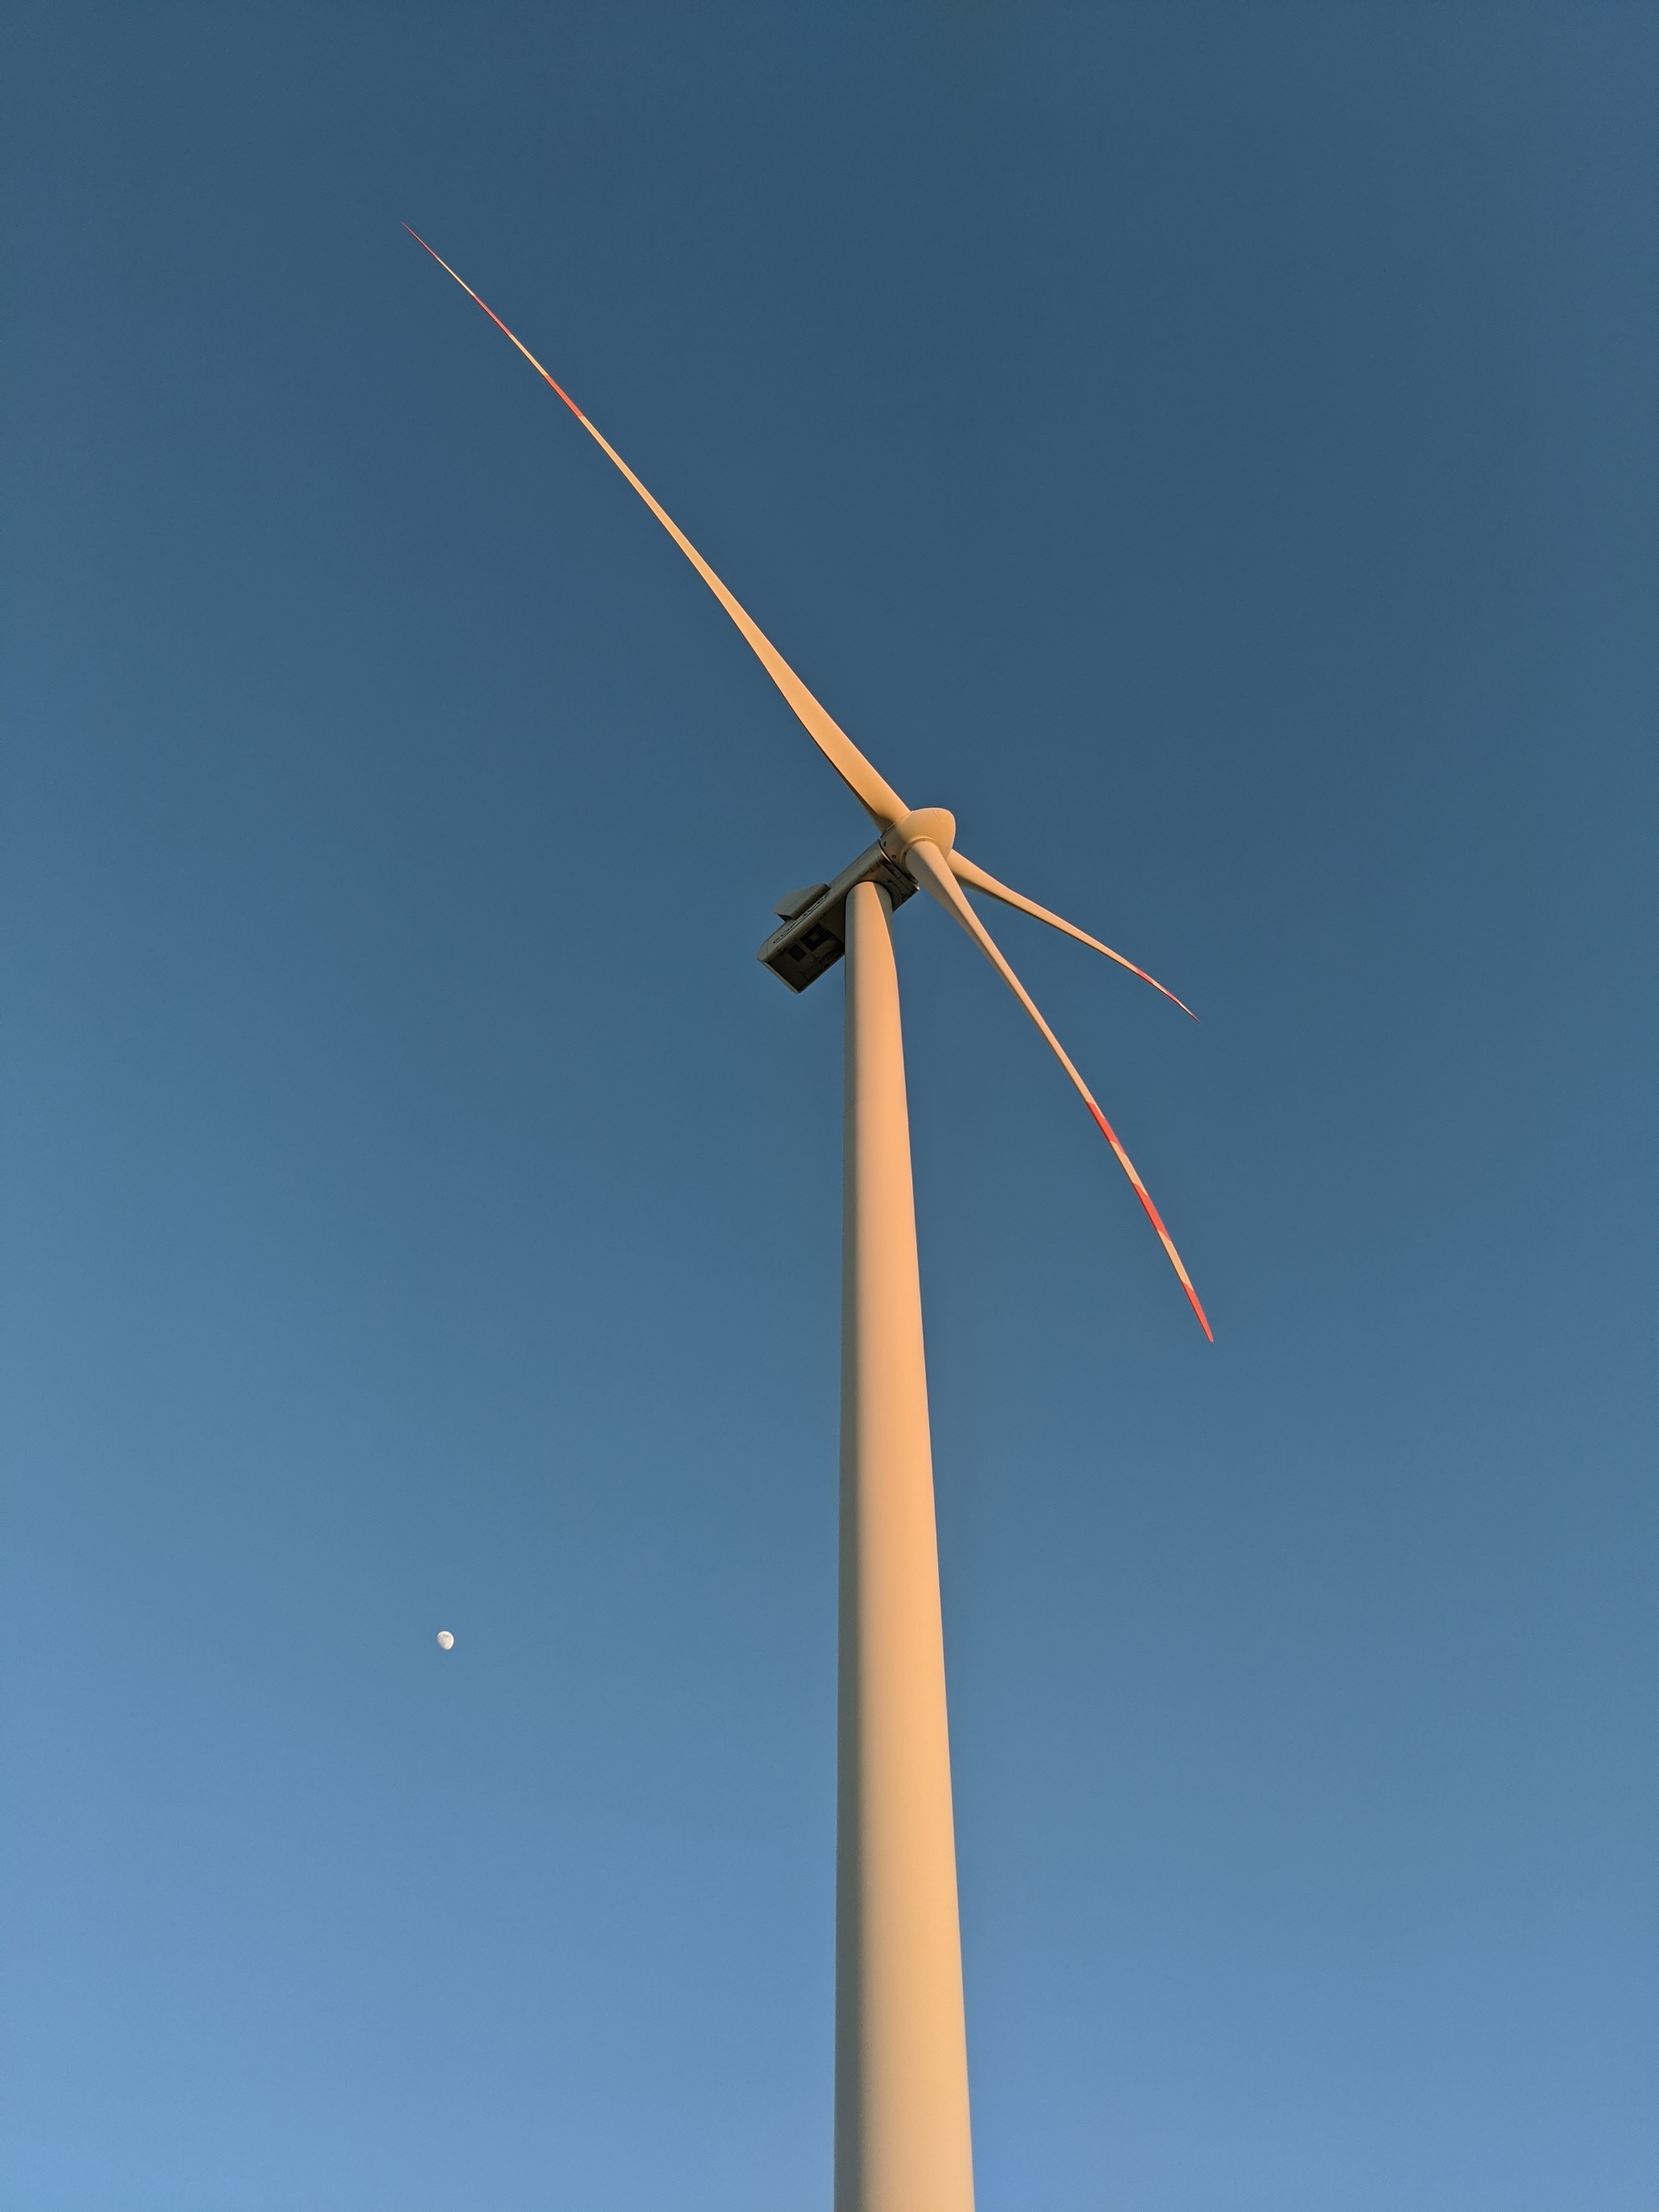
[(872, 791), (928, 864), (976, 879)]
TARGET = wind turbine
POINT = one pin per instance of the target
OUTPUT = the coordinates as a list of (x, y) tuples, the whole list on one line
[(902, 2138)]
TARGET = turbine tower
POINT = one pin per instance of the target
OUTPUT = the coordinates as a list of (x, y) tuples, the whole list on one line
[(903, 2136)]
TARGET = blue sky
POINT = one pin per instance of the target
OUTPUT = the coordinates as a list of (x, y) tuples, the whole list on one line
[(1212, 449)]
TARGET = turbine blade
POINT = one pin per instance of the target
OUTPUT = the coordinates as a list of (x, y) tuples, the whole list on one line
[(976, 879), (872, 791), (928, 865)]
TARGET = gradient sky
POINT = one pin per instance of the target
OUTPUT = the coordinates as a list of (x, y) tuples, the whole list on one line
[(1212, 449)]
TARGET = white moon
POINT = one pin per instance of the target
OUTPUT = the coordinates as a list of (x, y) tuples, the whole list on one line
[(445, 1641)]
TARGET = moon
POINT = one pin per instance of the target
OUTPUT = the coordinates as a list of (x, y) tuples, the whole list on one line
[(445, 1641)]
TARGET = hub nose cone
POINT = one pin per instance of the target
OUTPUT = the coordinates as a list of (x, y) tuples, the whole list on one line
[(935, 824)]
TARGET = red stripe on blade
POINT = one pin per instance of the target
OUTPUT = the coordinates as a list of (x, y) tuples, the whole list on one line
[(1154, 1217), (501, 326)]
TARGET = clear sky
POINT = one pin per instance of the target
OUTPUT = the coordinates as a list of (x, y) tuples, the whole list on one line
[(1211, 449)]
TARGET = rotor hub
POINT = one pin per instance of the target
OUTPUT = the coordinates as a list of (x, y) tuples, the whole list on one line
[(931, 825)]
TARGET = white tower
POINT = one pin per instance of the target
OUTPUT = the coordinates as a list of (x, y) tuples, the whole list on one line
[(901, 2132)]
